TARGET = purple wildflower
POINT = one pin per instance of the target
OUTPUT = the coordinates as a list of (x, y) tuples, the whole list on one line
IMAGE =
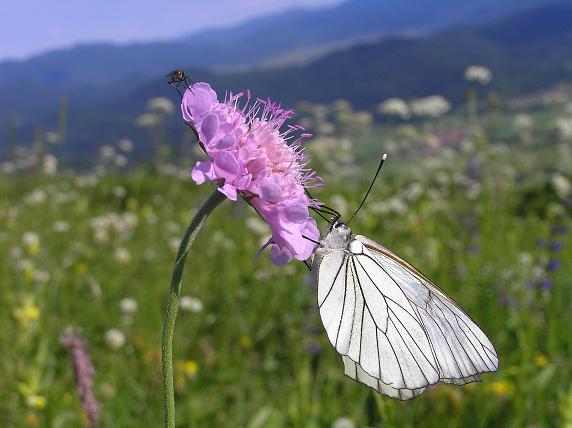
[(546, 284), (313, 347), (250, 156), (508, 301), (553, 265), (559, 230), (473, 166), (556, 246), (83, 371)]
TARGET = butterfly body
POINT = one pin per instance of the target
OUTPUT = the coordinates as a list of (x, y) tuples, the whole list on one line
[(397, 332)]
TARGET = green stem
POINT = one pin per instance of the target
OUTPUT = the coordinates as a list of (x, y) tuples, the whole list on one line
[(173, 304)]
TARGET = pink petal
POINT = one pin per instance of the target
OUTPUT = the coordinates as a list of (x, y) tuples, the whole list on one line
[(226, 166), (202, 172), (209, 127), (270, 192), (279, 256), (296, 213), (230, 191), (198, 101), (226, 142)]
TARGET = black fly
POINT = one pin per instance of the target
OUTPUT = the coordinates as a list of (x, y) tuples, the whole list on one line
[(178, 77)]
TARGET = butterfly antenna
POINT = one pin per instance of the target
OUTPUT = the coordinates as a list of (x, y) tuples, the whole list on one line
[(383, 158)]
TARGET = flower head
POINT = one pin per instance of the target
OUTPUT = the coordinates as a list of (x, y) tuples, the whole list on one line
[(479, 74), (251, 156)]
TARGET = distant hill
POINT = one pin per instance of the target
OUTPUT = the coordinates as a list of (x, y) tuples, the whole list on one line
[(526, 51), (255, 41)]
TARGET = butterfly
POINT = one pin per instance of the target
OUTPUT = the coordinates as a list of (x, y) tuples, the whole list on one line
[(397, 332)]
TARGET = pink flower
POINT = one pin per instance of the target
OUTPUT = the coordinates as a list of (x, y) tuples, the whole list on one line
[(250, 156), (84, 372)]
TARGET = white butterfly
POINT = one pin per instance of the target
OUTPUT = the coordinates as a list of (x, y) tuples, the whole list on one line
[(397, 332)]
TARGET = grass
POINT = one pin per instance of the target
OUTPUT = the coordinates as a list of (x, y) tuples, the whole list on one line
[(256, 355)]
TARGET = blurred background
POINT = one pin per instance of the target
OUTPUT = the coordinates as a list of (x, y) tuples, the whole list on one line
[(471, 100)]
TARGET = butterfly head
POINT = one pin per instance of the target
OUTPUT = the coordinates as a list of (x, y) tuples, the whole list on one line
[(337, 236)]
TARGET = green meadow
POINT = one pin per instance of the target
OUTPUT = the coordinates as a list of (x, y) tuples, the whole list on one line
[(480, 204)]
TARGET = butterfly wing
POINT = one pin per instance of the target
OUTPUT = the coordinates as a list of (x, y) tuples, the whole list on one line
[(382, 342), (395, 330), (461, 349)]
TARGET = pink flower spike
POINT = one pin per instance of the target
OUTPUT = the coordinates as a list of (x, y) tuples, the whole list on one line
[(249, 155)]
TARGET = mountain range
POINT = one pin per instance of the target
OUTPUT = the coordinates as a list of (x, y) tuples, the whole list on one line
[(108, 86)]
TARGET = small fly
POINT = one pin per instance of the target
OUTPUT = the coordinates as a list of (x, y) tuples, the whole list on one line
[(178, 77)]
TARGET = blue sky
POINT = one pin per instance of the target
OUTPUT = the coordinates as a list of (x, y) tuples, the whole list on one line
[(28, 27)]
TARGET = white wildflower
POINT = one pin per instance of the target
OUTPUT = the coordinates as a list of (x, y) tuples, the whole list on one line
[(343, 423), (191, 304), (122, 255), (50, 165), (101, 235), (433, 106), (119, 191), (31, 241), (130, 219), (86, 180), (564, 127), (161, 105), (522, 122), (107, 152), (41, 276), (7, 168), (125, 145), (562, 186), (147, 120), (479, 74), (413, 192), (114, 338), (52, 137), (391, 205), (35, 197), (394, 107), (120, 160), (128, 305)]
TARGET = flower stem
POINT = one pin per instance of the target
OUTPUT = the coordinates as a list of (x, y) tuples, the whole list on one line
[(173, 304)]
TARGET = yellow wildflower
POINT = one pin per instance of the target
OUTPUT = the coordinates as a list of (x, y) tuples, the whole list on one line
[(37, 402), (246, 342), (80, 268), (191, 368), (540, 360), (27, 313), (501, 387)]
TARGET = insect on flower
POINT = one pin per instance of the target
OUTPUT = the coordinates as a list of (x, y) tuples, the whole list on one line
[(396, 330), (178, 77)]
